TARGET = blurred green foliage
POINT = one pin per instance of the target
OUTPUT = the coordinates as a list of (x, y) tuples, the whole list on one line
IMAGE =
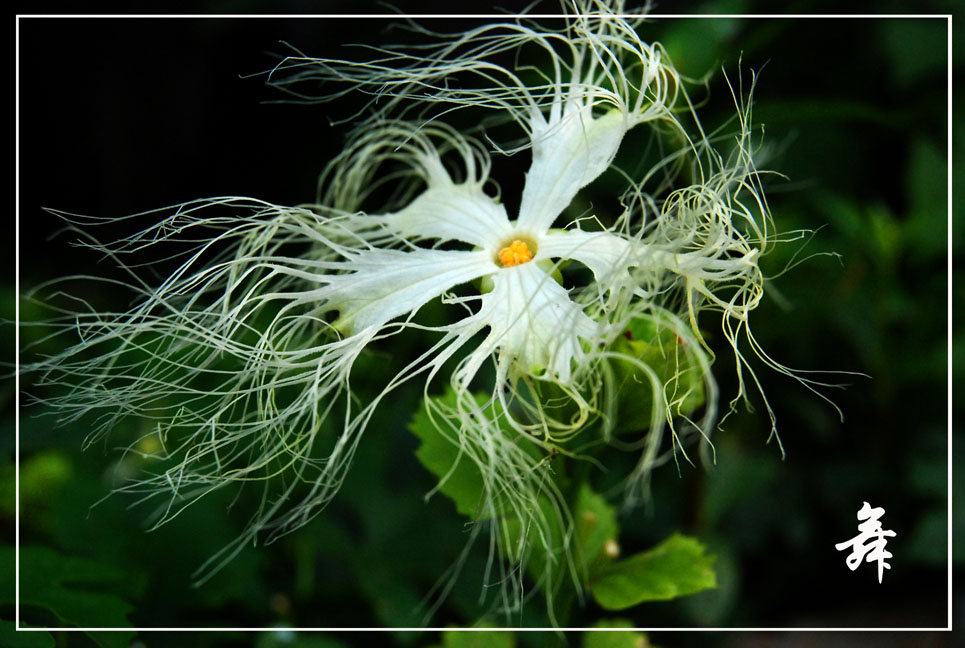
[(676, 567), (856, 120)]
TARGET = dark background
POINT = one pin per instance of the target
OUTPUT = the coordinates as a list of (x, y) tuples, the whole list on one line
[(125, 115)]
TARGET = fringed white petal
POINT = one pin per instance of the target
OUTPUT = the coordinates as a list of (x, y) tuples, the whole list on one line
[(384, 284), (532, 322), (567, 155), (452, 212), (606, 254)]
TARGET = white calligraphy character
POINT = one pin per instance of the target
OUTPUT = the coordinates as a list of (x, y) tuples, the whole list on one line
[(869, 545)]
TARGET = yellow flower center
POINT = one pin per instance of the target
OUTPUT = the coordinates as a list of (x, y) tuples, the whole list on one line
[(516, 253)]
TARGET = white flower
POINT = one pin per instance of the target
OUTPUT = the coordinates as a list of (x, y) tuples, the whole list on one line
[(246, 354), (530, 317)]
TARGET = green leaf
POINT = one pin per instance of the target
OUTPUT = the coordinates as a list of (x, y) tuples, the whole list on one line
[(41, 477), (654, 343), (43, 473), (596, 526), (397, 605), (72, 588), (712, 607), (112, 639), (478, 639), (925, 227), (10, 638), (7, 574), (291, 639), (696, 46), (676, 567), (460, 479), (611, 639)]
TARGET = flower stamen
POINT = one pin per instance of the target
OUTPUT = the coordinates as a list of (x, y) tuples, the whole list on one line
[(516, 253)]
